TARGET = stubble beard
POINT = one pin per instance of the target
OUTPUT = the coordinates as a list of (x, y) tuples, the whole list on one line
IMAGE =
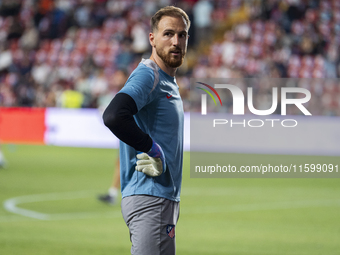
[(169, 59)]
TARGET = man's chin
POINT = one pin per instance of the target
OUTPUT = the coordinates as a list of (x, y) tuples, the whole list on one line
[(174, 63)]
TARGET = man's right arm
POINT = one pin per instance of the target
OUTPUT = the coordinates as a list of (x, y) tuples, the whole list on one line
[(118, 117)]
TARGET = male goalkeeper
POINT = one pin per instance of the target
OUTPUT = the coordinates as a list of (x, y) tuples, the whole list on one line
[(147, 116)]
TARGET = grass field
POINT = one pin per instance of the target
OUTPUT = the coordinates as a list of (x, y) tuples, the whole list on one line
[(59, 186)]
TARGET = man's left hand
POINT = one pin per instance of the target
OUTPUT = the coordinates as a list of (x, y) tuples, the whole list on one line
[(149, 165)]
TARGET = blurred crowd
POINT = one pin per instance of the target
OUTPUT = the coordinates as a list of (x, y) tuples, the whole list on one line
[(79, 53)]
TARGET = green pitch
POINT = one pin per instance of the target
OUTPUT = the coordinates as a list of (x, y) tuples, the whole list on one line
[(57, 188)]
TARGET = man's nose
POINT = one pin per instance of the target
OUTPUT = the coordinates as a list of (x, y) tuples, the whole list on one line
[(175, 40)]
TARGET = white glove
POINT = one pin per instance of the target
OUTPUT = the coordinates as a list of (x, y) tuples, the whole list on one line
[(149, 165)]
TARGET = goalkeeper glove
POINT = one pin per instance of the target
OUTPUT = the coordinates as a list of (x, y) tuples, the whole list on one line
[(151, 163)]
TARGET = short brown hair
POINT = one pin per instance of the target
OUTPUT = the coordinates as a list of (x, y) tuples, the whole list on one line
[(171, 11)]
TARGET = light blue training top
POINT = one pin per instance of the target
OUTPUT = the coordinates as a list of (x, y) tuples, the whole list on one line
[(160, 115)]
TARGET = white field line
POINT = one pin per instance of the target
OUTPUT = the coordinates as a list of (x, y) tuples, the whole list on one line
[(11, 205)]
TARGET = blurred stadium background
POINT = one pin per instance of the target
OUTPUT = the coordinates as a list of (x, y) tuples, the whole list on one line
[(64, 55), (52, 48)]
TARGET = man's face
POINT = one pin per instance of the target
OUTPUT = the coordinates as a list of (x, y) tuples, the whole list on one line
[(170, 40)]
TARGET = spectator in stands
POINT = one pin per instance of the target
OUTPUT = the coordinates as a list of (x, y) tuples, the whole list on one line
[(202, 11)]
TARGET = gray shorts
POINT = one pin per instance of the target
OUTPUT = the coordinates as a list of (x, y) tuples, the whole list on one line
[(151, 221)]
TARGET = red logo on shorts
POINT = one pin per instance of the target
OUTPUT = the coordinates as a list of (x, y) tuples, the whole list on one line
[(168, 96), (170, 230)]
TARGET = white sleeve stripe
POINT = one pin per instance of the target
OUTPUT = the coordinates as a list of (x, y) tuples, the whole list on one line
[(149, 63)]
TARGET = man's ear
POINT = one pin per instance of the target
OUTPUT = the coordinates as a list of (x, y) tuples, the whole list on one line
[(152, 39)]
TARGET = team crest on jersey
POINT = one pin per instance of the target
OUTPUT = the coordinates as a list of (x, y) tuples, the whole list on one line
[(170, 230)]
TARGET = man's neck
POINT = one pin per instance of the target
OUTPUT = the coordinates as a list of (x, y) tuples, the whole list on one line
[(169, 70)]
